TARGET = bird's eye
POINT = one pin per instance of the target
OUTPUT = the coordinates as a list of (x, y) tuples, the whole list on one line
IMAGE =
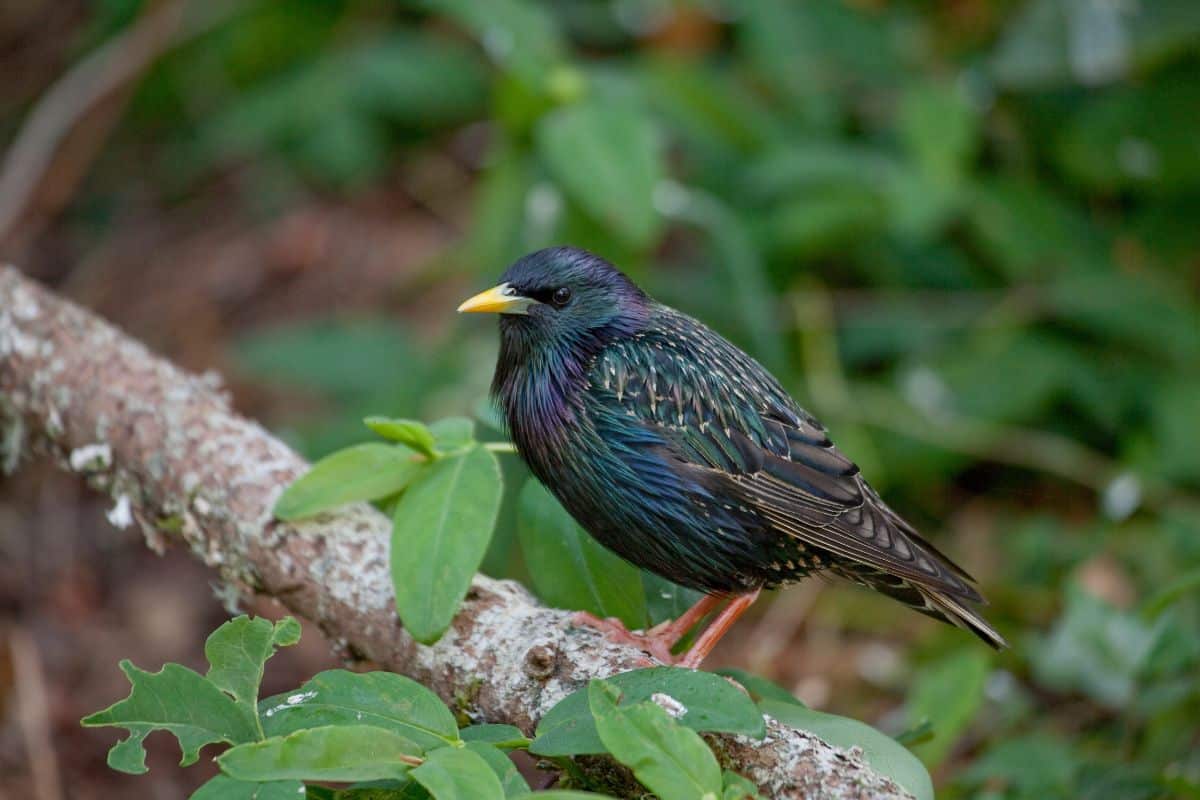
[(562, 296)]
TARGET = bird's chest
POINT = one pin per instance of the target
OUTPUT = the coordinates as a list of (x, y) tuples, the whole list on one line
[(545, 418)]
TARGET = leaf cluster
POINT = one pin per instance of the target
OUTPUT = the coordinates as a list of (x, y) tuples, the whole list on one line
[(381, 736)]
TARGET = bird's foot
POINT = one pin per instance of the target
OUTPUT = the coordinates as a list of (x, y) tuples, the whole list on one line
[(657, 641)]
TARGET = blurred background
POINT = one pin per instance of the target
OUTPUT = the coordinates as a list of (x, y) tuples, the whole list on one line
[(964, 234)]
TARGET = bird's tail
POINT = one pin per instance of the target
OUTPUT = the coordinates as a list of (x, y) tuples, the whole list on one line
[(945, 607), (931, 601)]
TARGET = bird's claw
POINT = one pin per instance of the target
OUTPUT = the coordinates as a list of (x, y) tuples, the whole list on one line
[(652, 641)]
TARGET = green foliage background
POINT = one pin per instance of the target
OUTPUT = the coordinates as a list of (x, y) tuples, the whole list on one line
[(963, 234)]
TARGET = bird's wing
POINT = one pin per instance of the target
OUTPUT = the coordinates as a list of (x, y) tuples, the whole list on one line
[(733, 428)]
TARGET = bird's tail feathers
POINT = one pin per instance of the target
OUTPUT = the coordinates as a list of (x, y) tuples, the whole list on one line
[(943, 606)]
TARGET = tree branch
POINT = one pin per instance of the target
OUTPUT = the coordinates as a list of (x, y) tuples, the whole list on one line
[(175, 458)]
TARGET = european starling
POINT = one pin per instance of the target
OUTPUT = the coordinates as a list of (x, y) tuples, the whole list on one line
[(684, 456)]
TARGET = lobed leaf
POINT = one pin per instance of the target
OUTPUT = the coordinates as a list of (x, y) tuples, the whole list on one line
[(238, 650), (178, 700)]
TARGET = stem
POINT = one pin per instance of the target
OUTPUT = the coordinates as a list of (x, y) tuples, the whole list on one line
[(500, 447)]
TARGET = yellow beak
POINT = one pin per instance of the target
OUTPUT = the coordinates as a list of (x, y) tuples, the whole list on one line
[(501, 299)]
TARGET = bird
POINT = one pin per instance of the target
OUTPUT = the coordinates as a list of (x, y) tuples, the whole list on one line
[(683, 455)]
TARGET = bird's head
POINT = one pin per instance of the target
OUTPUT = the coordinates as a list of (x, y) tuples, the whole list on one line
[(562, 299)]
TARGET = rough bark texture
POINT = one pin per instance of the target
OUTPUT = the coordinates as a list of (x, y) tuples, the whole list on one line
[(178, 462)]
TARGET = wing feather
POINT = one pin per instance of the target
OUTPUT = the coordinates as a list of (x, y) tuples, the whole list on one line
[(730, 424)]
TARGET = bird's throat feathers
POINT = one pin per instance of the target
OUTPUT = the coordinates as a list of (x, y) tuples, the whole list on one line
[(539, 379)]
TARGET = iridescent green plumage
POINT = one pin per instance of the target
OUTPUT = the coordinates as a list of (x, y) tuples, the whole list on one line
[(685, 456)]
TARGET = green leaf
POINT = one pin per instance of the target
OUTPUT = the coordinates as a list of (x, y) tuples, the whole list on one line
[(669, 759), (178, 700), (738, 257), (363, 472), (381, 699), (939, 129), (948, 692), (1136, 139), (128, 755), (1058, 43), (1188, 583), (441, 531), (500, 205), (883, 753), (760, 688), (1038, 765), (736, 787), (808, 54), (606, 156), (1029, 231), (824, 220), (712, 703), (666, 600), (371, 790), (564, 794), (238, 650), (572, 570), (1151, 314), (327, 115), (517, 34), (222, 787), (408, 432), (330, 753), (458, 774), (506, 737), (511, 781), (453, 433)]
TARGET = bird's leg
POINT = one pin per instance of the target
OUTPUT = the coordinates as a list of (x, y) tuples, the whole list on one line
[(657, 641), (716, 629), (673, 630)]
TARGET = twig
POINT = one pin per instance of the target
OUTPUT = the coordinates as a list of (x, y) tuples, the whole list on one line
[(192, 470), (95, 77)]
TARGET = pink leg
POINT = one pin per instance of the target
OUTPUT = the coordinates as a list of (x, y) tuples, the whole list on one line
[(657, 641), (716, 629)]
